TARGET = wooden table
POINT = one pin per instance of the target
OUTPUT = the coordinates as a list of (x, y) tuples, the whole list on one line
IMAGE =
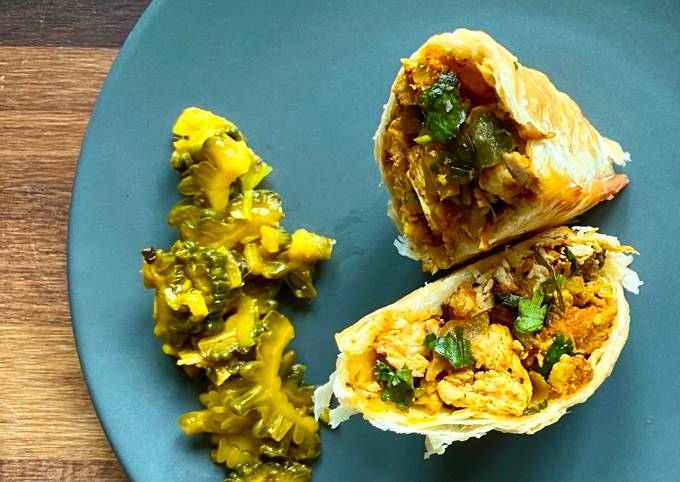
[(54, 56)]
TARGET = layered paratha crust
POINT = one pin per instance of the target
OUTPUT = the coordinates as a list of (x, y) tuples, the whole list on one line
[(444, 428), (571, 160)]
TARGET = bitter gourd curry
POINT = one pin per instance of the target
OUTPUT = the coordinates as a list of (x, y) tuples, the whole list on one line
[(215, 306)]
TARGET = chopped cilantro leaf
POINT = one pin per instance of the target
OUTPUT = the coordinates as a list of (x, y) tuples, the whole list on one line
[(575, 269), (430, 340), (488, 138), (561, 345), (531, 313), (558, 281), (481, 142), (397, 385), (555, 283), (443, 109), (455, 350), (508, 299)]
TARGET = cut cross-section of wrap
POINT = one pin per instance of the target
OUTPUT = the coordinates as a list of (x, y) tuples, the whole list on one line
[(508, 343), (476, 149)]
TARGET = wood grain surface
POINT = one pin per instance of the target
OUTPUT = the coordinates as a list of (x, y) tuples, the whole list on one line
[(52, 64), (76, 23)]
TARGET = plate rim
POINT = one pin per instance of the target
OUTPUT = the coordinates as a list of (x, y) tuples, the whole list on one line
[(124, 53)]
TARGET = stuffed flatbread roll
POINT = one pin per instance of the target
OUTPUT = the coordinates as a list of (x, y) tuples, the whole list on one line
[(476, 149), (508, 343)]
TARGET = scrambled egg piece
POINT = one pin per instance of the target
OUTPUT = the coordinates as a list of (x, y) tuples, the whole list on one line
[(501, 385), (429, 399), (402, 344), (569, 374), (498, 181)]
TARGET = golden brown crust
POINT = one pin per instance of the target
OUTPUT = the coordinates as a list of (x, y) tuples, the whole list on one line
[(571, 160)]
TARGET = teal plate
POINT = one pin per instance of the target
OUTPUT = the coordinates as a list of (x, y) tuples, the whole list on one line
[(306, 82)]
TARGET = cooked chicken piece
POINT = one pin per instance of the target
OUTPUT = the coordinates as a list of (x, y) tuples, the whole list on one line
[(422, 76), (519, 168), (498, 181), (541, 389), (486, 392), (437, 365), (576, 286), (569, 374), (406, 201), (538, 272), (504, 277), (442, 218), (402, 344), (593, 293), (503, 388), (404, 92), (582, 251)]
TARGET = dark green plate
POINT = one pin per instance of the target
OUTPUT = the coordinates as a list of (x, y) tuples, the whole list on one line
[(306, 82)]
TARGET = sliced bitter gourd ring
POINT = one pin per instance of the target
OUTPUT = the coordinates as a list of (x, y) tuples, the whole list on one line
[(257, 400), (268, 472), (215, 302)]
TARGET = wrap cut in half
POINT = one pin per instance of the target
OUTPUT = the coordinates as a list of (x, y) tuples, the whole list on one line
[(476, 149), (508, 343)]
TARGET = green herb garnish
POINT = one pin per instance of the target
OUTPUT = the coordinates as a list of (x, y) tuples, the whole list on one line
[(555, 283), (487, 138), (575, 269), (397, 385), (475, 139), (422, 140), (455, 350), (443, 109), (456, 168), (481, 142), (561, 345), (508, 299), (531, 313)]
